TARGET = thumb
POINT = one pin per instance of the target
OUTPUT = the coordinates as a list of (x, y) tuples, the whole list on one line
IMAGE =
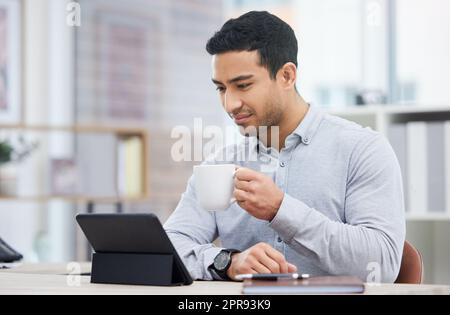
[(292, 268)]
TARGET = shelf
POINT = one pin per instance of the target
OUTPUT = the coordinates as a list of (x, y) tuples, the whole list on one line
[(78, 129), (120, 133), (387, 109), (428, 217), (81, 199)]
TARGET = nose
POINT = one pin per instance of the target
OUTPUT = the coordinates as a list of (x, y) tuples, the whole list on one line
[(231, 102)]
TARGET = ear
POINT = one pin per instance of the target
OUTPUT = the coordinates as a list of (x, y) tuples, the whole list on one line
[(287, 75)]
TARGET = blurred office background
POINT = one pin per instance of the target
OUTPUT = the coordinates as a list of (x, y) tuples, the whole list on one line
[(89, 109)]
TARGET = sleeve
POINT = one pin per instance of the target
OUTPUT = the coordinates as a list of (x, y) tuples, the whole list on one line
[(192, 231), (373, 233)]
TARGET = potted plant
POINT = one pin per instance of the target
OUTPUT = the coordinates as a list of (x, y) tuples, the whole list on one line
[(10, 156), (5, 152)]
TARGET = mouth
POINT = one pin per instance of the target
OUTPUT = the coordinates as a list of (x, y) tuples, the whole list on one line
[(242, 118)]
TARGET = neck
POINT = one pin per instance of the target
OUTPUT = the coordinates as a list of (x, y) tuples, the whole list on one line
[(293, 115)]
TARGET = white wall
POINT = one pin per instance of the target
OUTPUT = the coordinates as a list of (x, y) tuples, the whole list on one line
[(423, 45), (329, 35)]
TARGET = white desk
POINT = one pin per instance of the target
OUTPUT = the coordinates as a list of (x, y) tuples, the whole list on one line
[(51, 279)]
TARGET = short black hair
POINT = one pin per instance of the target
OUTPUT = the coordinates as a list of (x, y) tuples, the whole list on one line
[(273, 38)]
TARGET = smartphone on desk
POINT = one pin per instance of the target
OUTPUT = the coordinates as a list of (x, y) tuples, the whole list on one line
[(272, 276)]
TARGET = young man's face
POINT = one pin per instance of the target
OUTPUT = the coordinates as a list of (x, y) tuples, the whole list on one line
[(246, 90)]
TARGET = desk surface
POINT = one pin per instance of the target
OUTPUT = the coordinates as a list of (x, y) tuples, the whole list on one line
[(53, 279)]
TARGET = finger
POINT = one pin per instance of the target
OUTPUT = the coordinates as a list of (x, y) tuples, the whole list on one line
[(278, 257), (292, 268), (246, 174), (241, 204), (285, 268), (269, 263), (242, 185), (259, 267), (240, 195), (253, 271), (236, 167)]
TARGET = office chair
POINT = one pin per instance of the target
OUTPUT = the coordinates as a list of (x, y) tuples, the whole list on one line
[(411, 268)]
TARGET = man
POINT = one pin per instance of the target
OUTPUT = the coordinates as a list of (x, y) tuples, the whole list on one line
[(333, 205)]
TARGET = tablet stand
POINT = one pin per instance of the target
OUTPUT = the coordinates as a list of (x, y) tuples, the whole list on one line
[(135, 269)]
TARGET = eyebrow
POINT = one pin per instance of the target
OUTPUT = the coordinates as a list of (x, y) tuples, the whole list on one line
[(236, 79)]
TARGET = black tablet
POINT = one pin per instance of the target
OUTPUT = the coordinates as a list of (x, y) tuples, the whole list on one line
[(134, 234)]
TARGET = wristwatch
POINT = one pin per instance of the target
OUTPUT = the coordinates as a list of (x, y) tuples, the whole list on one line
[(222, 263)]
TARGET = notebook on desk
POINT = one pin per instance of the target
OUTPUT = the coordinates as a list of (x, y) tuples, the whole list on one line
[(314, 285)]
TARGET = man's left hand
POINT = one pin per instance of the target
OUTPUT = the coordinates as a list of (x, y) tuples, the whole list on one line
[(257, 194)]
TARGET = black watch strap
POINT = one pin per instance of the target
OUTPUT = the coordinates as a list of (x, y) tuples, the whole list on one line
[(222, 274)]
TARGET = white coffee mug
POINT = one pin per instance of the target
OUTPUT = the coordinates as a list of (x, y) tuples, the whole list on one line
[(214, 186)]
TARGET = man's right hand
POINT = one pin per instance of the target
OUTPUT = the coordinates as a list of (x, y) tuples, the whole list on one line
[(261, 258)]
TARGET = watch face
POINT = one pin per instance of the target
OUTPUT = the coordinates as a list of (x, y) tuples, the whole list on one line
[(221, 261)]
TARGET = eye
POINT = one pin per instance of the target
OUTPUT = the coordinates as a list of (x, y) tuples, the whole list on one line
[(244, 85), (221, 89)]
